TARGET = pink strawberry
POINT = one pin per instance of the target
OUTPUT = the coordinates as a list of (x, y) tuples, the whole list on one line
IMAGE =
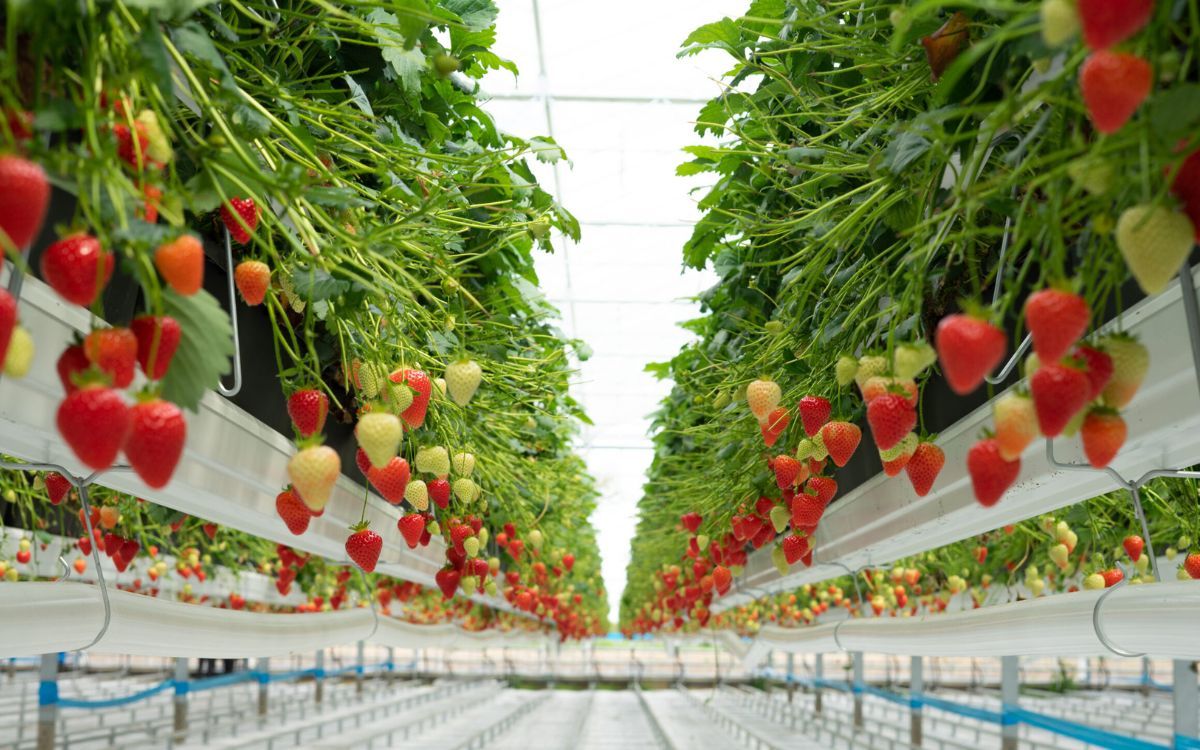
[(969, 348), (1056, 320), (814, 413), (363, 546), (990, 474), (94, 421), (1059, 392), (157, 432)]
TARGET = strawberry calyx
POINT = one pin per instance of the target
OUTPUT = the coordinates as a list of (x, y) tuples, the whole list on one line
[(977, 310), (313, 441), (92, 376), (360, 526)]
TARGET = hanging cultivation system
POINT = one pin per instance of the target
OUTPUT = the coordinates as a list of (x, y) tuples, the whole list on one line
[(947, 243), (393, 392)]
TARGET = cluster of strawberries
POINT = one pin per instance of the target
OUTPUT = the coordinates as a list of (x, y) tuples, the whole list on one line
[(1072, 386)]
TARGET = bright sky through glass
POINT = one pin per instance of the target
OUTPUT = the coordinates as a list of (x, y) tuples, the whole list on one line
[(604, 81)]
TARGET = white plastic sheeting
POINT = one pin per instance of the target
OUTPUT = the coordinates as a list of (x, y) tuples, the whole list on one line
[(1158, 619), (44, 618)]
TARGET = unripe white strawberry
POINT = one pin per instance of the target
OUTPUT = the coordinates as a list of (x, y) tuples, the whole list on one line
[(845, 370), (870, 366), (535, 539), (1154, 240), (1060, 21), (462, 380), (313, 472), (910, 360), (471, 545), (469, 584), (20, 353), (1131, 361), (763, 396), (463, 464), (464, 489), (435, 461), (379, 435), (417, 494)]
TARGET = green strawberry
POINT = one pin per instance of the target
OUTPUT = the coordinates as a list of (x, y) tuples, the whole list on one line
[(845, 370), (435, 461), (910, 360), (1155, 241), (869, 366), (1060, 21), (379, 435), (462, 380), (464, 489), (463, 464), (1094, 176)]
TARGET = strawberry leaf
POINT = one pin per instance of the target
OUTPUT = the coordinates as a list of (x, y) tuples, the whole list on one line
[(204, 348)]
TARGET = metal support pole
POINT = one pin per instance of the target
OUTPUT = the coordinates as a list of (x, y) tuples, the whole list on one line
[(264, 672), (319, 678), (391, 665), (791, 675), (1010, 689), (819, 673), (1145, 676), (358, 668), (857, 687), (1187, 704), (181, 699), (916, 689), (47, 701)]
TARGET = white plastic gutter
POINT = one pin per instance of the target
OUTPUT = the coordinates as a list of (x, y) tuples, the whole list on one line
[(42, 618), (883, 520), (1158, 619)]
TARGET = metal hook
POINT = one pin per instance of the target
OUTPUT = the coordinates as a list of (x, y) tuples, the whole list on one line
[(1011, 363), (1099, 629), (853, 579), (371, 599), (836, 640), (66, 570), (233, 319)]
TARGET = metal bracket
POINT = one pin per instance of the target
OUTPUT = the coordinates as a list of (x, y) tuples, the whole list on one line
[(1099, 629), (374, 609), (233, 319)]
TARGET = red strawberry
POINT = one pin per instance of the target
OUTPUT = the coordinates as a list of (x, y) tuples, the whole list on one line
[(459, 535), (114, 352), (133, 155), (157, 433), (77, 268), (1186, 187), (94, 421), (1109, 22), (722, 579), (240, 216), (969, 348), (181, 263), (253, 278), (823, 487), (210, 530), (891, 417), (1098, 368), (391, 480), (24, 195), (308, 409), (363, 546), (794, 548), (418, 380), (1114, 85), (1059, 392), (1192, 565), (411, 527), (814, 413), (1112, 577), (568, 561), (787, 470), (447, 580), (806, 511), (439, 492), (776, 422), (57, 487), (1103, 433), (841, 440), (157, 339), (990, 474), (73, 360), (152, 199), (1134, 545), (1056, 320), (8, 321), (691, 521), (293, 511), (363, 463)]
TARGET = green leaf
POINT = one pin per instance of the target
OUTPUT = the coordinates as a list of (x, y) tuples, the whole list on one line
[(724, 34), (1176, 113), (358, 96), (318, 285), (336, 197), (476, 15), (406, 64), (903, 150), (205, 346), (413, 20), (546, 150)]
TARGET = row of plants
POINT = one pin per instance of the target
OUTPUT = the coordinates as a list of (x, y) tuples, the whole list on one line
[(383, 231), (900, 194)]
